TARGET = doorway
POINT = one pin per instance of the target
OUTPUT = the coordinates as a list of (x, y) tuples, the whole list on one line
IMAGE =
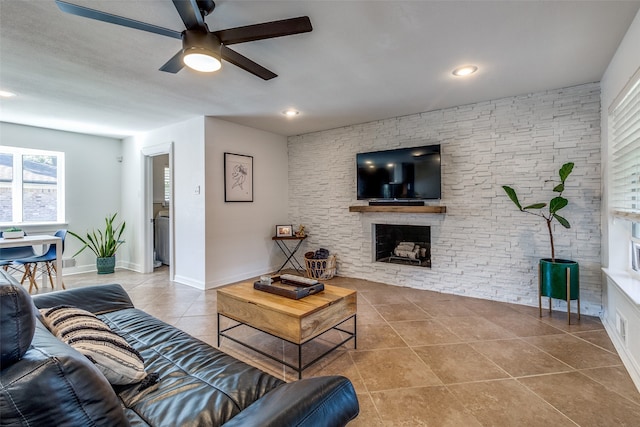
[(158, 208)]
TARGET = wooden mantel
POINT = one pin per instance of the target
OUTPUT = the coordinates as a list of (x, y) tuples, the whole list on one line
[(399, 209)]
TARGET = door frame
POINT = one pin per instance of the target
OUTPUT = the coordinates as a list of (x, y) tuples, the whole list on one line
[(147, 211)]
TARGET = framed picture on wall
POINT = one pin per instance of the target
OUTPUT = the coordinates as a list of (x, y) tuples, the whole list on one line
[(284, 230), (238, 178)]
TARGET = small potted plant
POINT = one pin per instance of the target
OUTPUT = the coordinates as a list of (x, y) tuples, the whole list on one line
[(13, 233), (103, 244), (554, 273)]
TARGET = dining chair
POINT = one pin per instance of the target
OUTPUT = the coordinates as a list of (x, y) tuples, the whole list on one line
[(10, 254), (48, 261)]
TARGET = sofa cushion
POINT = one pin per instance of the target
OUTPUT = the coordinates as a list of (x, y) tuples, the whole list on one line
[(53, 384), (203, 376), (17, 321), (115, 358)]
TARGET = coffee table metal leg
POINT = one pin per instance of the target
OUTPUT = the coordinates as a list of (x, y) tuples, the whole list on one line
[(299, 368)]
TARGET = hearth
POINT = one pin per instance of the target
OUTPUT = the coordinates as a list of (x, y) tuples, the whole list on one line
[(403, 244)]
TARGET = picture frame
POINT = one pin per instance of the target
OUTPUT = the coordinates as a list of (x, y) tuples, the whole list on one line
[(284, 230), (238, 178)]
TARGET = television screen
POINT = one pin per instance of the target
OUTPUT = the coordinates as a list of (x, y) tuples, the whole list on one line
[(405, 173)]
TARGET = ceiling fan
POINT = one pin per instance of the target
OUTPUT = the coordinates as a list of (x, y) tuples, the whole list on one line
[(203, 49)]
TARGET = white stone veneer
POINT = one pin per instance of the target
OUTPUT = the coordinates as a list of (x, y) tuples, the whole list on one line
[(483, 246)]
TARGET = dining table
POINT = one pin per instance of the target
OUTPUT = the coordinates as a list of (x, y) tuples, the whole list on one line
[(36, 240)]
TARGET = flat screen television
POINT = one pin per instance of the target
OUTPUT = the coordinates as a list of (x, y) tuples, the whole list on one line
[(401, 174)]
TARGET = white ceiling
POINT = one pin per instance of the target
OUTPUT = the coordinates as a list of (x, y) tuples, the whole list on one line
[(363, 61)]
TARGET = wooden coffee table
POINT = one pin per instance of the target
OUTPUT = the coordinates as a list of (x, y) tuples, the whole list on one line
[(295, 321)]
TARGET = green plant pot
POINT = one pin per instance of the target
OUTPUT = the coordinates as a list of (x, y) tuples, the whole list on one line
[(106, 265), (553, 278)]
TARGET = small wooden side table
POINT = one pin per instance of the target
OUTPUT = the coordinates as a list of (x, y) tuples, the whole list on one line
[(289, 253)]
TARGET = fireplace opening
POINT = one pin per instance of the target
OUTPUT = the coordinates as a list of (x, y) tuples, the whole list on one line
[(403, 244)]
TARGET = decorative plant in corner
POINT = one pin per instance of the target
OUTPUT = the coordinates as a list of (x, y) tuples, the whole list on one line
[(559, 278), (104, 244), (555, 205)]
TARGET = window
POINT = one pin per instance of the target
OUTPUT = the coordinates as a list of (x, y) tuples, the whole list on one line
[(167, 185), (625, 154), (624, 133), (31, 186)]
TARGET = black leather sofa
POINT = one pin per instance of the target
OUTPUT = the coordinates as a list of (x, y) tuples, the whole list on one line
[(43, 381)]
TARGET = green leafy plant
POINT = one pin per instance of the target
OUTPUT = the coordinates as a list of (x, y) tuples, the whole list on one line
[(13, 229), (103, 243), (556, 203)]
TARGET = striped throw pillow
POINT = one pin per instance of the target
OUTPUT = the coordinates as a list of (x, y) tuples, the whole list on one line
[(113, 356)]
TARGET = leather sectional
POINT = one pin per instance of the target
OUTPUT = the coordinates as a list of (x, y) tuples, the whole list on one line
[(44, 381)]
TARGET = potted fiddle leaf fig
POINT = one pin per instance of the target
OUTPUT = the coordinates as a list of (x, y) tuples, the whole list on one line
[(104, 244), (554, 273)]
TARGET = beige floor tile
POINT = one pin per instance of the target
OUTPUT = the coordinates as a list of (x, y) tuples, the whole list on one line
[(422, 406), (574, 352), (424, 332), (198, 325), (444, 308), (519, 358), (399, 312), (383, 297), (368, 416), (457, 363), (506, 403), (377, 336), (367, 314), (585, 401), (616, 379), (599, 338), (393, 369), (475, 328), (522, 326), (558, 319)]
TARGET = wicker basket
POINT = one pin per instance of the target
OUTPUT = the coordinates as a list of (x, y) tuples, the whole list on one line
[(322, 269)]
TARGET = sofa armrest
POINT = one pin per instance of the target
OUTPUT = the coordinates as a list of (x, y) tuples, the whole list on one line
[(319, 401), (97, 299)]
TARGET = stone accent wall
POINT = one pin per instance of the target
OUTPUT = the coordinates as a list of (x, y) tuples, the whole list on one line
[(483, 246)]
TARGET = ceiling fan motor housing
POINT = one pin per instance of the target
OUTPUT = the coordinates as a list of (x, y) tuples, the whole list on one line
[(198, 40)]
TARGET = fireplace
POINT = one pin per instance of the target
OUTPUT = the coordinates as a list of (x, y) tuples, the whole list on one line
[(403, 244)]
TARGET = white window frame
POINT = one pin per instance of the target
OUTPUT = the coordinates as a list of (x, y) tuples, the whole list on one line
[(17, 185)]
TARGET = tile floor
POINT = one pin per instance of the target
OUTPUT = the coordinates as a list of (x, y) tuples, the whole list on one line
[(431, 359)]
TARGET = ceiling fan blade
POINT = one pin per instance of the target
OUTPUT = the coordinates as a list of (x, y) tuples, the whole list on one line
[(246, 64), (113, 19), (266, 30), (190, 14), (173, 65)]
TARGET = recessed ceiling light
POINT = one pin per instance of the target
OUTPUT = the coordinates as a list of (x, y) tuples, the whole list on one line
[(291, 112), (6, 94), (465, 70)]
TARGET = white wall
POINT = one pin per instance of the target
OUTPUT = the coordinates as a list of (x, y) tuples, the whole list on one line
[(616, 234), (215, 242), (483, 246), (238, 234), (93, 176), (189, 208)]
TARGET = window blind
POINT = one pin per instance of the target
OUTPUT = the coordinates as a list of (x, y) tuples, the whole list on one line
[(624, 122), (167, 184)]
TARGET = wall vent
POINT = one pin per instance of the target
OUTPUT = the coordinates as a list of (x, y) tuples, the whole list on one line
[(69, 262)]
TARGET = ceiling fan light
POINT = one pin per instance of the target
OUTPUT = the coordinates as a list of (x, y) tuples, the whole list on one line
[(201, 60)]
